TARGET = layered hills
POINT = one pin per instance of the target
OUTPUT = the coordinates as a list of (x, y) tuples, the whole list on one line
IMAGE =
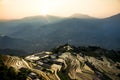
[(76, 29)]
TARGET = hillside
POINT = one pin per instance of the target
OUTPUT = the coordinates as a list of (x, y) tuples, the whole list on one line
[(7, 42), (65, 62)]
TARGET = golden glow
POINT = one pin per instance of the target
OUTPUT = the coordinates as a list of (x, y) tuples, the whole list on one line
[(11, 9), (44, 12)]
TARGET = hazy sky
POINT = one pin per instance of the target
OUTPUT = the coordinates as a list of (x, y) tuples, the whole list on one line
[(12, 9)]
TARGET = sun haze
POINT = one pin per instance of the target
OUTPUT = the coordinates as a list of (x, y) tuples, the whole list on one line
[(14, 9)]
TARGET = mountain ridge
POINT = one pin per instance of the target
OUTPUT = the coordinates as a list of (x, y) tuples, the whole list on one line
[(85, 16)]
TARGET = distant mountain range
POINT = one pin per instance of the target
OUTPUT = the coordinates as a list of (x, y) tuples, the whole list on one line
[(49, 31)]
